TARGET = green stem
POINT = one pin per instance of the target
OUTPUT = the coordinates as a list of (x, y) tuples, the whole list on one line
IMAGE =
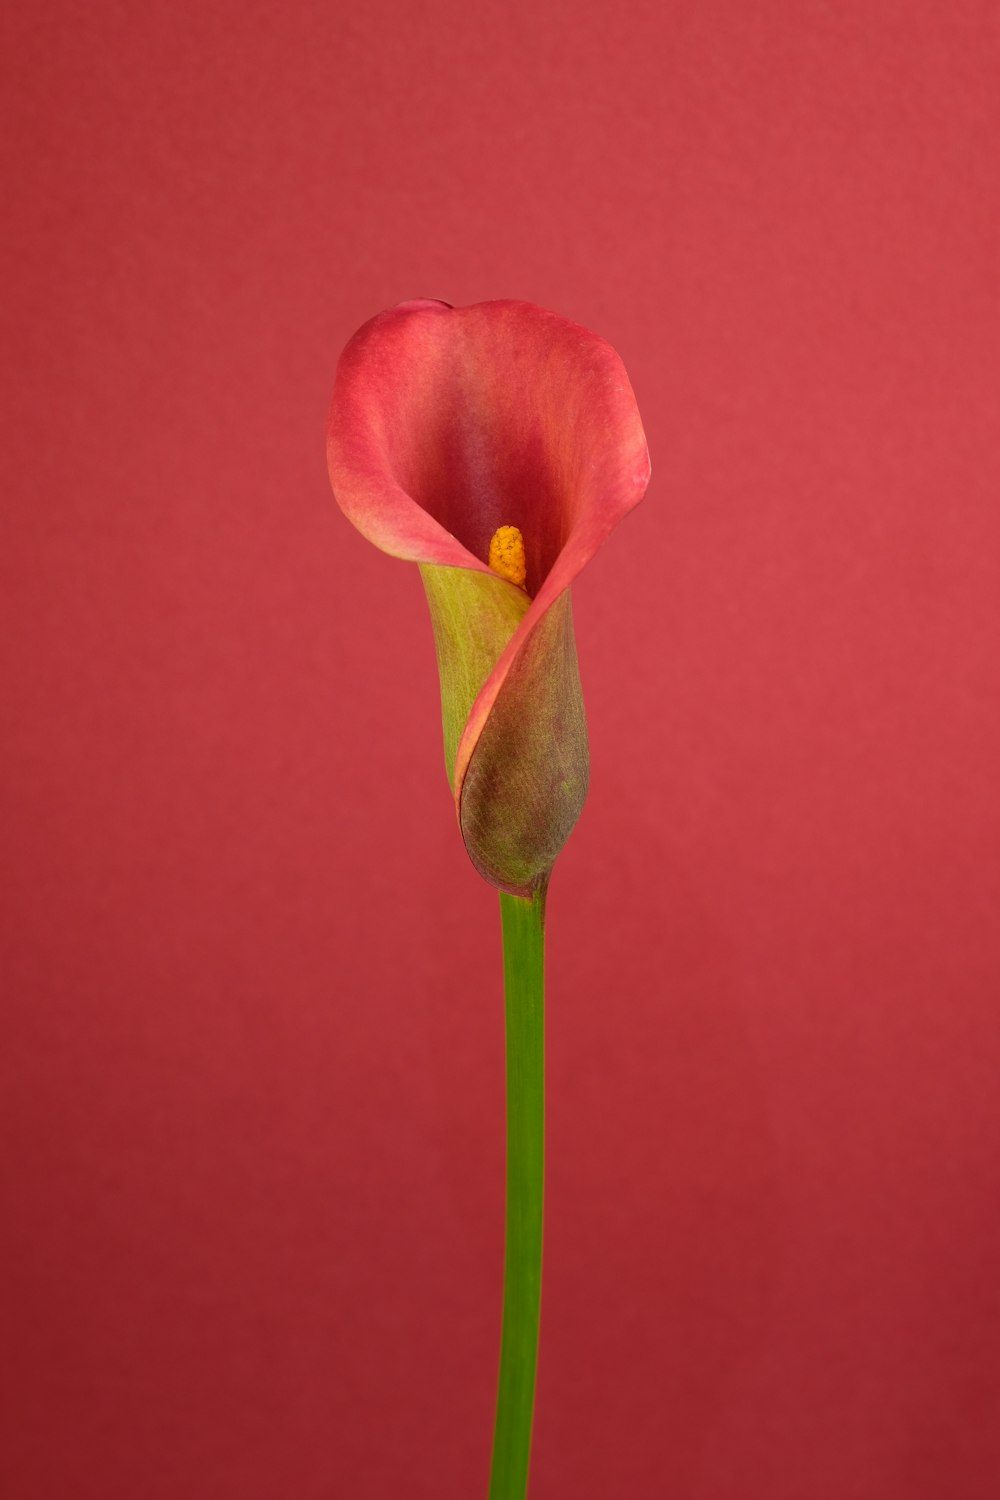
[(524, 996)]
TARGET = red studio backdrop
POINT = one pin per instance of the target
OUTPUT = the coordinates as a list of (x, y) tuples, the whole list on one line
[(252, 1091)]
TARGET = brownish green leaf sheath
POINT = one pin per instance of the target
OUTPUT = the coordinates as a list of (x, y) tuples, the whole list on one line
[(527, 778)]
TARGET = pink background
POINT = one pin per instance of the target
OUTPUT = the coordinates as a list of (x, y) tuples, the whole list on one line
[(252, 1093)]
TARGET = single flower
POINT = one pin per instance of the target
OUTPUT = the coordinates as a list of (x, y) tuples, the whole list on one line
[(496, 446)]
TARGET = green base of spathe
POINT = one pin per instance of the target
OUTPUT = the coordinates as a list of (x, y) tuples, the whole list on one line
[(521, 781)]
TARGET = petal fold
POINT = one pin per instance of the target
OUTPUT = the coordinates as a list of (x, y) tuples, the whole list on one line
[(474, 616)]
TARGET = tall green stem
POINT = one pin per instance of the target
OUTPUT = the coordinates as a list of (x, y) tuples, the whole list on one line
[(523, 923)]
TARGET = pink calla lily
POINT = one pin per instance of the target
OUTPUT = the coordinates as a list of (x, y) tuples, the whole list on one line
[(446, 425)]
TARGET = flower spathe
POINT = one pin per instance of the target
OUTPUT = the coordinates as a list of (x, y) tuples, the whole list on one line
[(450, 430)]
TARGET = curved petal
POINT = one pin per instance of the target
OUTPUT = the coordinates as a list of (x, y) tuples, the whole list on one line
[(448, 423)]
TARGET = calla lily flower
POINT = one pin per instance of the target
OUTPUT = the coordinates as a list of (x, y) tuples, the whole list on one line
[(496, 446)]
